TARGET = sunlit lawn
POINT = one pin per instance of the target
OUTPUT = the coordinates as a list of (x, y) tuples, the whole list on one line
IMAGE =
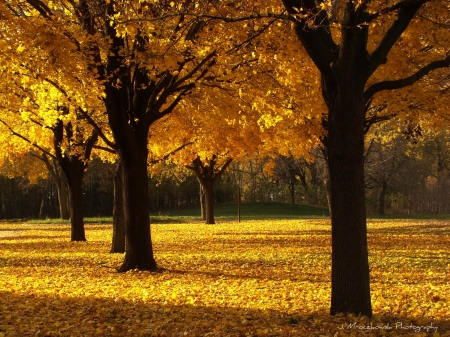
[(268, 278)]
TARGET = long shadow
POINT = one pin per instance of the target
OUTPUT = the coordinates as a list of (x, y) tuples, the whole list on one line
[(276, 233), (432, 229), (49, 246), (318, 278), (48, 262), (34, 237), (296, 242), (54, 227), (29, 315)]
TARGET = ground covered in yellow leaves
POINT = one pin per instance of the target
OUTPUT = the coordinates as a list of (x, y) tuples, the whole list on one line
[(262, 278)]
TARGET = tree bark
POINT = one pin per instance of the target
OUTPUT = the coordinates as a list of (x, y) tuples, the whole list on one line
[(202, 203), (75, 174), (63, 195), (343, 91), (42, 206), (138, 244), (118, 237), (60, 180), (208, 188), (350, 268)]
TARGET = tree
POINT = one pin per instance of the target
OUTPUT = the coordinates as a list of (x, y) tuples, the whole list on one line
[(349, 41), (207, 175), (384, 162), (33, 116), (60, 180), (290, 171), (142, 59)]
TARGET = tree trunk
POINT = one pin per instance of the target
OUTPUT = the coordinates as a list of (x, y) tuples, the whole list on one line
[(202, 203), (292, 191), (118, 237), (382, 198), (209, 202), (75, 176), (60, 180), (63, 195), (138, 245), (207, 175), (345, 144), (42, 206)]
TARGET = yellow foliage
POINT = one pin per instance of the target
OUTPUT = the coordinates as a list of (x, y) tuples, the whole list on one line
[(257, 278)]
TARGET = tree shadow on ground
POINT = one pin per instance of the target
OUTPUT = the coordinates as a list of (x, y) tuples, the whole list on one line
[(30, 315)]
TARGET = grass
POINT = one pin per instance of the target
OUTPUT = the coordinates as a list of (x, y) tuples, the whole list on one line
[(249, 211), (255, 278), (222, 212)]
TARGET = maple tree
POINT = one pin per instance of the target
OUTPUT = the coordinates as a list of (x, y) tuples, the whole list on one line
[(35, 119), (141, 60), (207, 175), (261, 114), (350, 42)]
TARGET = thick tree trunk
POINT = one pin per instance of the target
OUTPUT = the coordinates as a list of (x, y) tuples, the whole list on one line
[(138, 245), (382, 198), (345, 144), (63, 195), (202, 203), (75, 182), (42, 206), (209, 202), (328, 191), (60, 180), (118, 237)]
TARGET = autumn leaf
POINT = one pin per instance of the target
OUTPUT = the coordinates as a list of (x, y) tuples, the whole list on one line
[(253, 278)]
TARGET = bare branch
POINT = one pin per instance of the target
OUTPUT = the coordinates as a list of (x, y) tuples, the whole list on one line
[(210, 16), (402, 83), (14, 133), (97, 128), (407, 11), (171, 153), (103, 148)]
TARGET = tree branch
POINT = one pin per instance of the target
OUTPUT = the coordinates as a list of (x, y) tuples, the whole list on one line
[(402, 83), (317, 40), (222, 169), (196, 68), (407, 11), (14, 133), (41, 8), (171, 153), (210, 16), (97, 128), (103, 148)]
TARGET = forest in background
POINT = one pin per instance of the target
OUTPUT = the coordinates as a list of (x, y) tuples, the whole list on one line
[(404, 177)]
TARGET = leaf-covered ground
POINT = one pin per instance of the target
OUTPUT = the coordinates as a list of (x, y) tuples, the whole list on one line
[(249, 279)]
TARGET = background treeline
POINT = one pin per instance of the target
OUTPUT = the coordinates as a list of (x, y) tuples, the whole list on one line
[(403, 177)]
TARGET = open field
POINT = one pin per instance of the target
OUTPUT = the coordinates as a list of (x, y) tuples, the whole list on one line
[(256, 278), (249, 211)]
